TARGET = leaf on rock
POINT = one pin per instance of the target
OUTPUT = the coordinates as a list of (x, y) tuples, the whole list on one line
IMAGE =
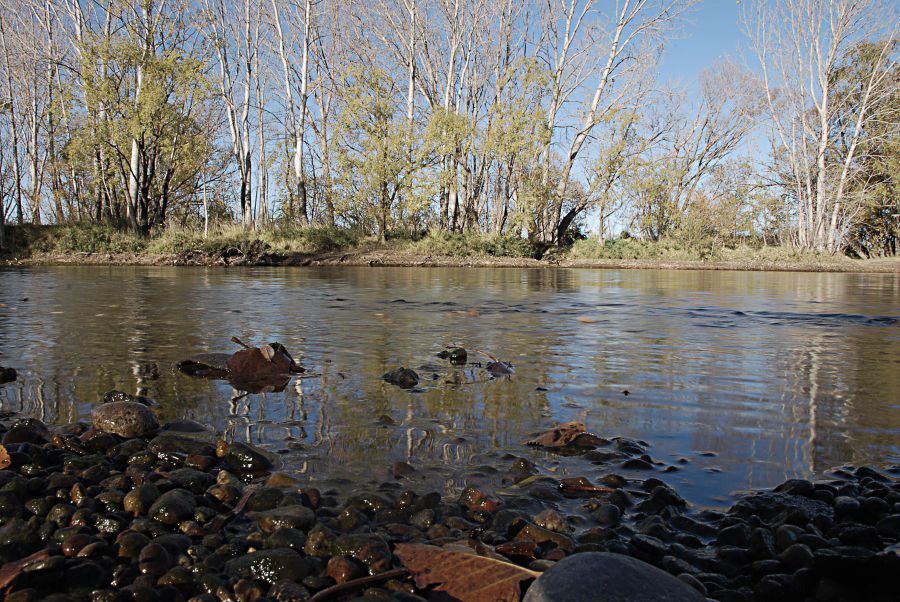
[(5, 460), (465, 577), (567, 433), (11, 570)]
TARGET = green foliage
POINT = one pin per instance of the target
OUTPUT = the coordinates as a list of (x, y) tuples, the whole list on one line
[(470, 244), (628, 248), (80, 238), (314, 239), (374, 152)]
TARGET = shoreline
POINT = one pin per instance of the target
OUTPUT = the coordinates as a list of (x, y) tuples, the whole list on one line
[(123, 508), (388, 258), (126, 508)]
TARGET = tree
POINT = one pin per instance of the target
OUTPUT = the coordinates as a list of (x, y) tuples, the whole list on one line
[(372, 151), (819, 125)]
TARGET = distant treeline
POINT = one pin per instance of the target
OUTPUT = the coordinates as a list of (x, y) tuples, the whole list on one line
[(545, 121)]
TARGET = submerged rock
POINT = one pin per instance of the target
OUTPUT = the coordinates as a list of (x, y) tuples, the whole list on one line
[(457, 355), (404, 378), (7, 375), (124, 418), (242, 457)]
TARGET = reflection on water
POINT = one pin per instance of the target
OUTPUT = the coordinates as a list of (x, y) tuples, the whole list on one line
[(778, 374)]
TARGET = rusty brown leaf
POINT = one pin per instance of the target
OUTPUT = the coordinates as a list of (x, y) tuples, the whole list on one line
[(586, 320), (11, 570), (466, 577), (5, 460), (518, 549), (561, 436)]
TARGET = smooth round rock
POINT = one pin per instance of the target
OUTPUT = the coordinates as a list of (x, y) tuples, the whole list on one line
[(124, 418), (603, 577)]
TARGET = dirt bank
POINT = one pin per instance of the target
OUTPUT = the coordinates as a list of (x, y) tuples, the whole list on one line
[(388, 258)]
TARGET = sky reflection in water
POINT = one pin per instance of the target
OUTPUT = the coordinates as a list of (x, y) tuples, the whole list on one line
[(774, 374)]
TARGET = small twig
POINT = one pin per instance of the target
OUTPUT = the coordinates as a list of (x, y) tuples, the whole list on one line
[(328, 592), (487, 355), (241, 343), (218, 523)]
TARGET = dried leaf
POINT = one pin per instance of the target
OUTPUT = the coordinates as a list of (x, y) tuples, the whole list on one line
[(518, 549), (561, 436), (586, 320), (11, 570), (466, 577), (5, 460)]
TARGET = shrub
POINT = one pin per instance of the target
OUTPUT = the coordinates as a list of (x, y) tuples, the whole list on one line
[(471, 244)]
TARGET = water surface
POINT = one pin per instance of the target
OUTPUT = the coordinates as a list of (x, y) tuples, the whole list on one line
[(751, 377)]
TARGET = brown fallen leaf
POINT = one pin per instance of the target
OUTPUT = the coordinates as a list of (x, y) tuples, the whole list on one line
[(567, 433), (5, 460), (586, 320), (11, 570), (518, 549), (466, 577)]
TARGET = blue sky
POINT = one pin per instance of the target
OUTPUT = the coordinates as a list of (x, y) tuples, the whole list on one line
[(712, 31)]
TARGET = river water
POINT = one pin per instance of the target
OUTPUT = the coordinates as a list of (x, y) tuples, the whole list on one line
[(739, 379)]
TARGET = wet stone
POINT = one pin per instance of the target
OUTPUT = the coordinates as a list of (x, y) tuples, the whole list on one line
[(404, 378), (270, 566), (797, 556), (124, 418), (786, 536), (139, 500), (288, 591), (186, 444), (551, 520), (242, 457), (173, 507), (246, 590), (193, 480), (845, 505), (343, 569), (265, 498), (286, 537), (295, 517), (27, 430), (736, 535), (608, 514), (154, 560), (620, 578), (370, 549)]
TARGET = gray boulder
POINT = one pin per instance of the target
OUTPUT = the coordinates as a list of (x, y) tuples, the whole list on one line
[(602, 577)]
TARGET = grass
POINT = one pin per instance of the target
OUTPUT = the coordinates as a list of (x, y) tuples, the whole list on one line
[(468, 244), (88, 238), (675, 250)]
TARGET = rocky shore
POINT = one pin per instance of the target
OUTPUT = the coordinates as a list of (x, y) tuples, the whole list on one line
[(125, 509)]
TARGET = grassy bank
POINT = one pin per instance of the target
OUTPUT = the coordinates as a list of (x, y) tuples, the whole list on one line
[(324, 245)]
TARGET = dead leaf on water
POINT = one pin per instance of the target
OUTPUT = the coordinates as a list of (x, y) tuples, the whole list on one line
[(567, 434), (5, 460), (464, 576), (587, 320)]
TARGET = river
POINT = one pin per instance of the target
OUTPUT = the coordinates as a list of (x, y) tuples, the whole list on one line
[(737, 380)]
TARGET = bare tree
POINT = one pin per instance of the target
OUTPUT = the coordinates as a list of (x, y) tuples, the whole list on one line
[(800, 45)]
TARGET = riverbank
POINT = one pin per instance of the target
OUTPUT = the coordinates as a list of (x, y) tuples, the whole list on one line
[(390, 258), (124, 509), (77, 245)]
